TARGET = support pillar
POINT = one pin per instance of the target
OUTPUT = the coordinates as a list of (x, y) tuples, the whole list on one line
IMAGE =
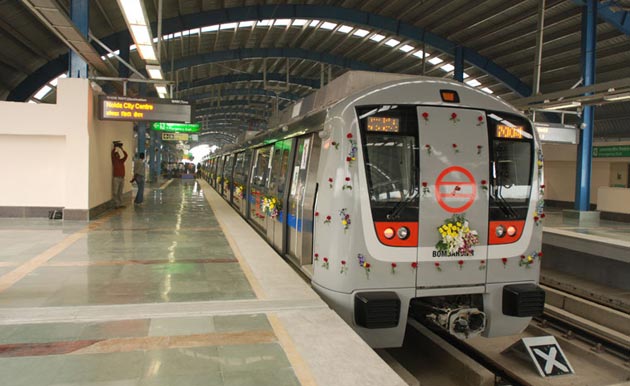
[(458, 75), (80, 15), (141, 126), (124, 40)]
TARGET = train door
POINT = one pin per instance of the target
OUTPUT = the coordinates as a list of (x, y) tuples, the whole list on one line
[(301, 200), (277, 187), (219, 179), (227, 177), (453, 215)]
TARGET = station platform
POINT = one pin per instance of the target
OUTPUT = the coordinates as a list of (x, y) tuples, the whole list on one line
[(176, 291)]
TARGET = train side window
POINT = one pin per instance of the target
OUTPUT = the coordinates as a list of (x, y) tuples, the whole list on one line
[(279, 167), (239, 168), (261, 168)]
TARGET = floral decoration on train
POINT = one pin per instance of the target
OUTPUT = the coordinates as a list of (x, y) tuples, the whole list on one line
[(327, 220), (316, 256), (364, 264), (504, 260), (344, 267), (457, 238), (527, 261), (425, 116), (325, 264), (394, 265), (484, 185), (226, 185), (425, 189), (347, 184), (330, 182), (460, 263), (345, 219), (428, 149), (454, 118), (455, 148), (335, 144), (238, 191), (479, 149), (271, 206), (541, 160), (480, 120), (482, 265), (438, 266), (218, 180), (538, 217), (352, 155)]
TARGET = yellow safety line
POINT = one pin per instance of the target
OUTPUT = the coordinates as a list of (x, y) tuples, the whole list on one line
[(247, 271), (10, 278), (302, 370), (167, 183)]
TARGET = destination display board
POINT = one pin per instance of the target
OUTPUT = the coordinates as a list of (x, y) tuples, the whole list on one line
[(557, 133), (117, 108), (176, 127)]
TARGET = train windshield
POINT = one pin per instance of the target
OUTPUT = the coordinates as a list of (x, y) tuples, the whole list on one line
[(512, 153), (390, 149)]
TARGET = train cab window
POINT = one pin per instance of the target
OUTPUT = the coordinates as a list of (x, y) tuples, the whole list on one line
[(511, 163), (390, 149)]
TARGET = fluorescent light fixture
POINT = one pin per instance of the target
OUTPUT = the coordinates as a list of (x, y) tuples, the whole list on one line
[(42, 92), (245, 24), (147, 52), (377, 38), (345, 29), (406, 48), (473, 83), (447, 67), (228, 26), (361, 33), (282, 22), (435, 61), (487, 90), (314, 23), (328, 25), (155, 72), (392, 42), (133, 12), (210, 28), (299, 22), (140, 34), (160, 88), (419, 54), (618, 97), (560, 105)]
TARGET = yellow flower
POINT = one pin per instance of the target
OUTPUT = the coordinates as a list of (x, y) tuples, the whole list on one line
[(344, 222), (529, 259), (459, 224)]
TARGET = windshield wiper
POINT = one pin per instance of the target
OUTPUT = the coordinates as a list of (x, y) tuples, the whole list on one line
[(504, 205), (402, 204)]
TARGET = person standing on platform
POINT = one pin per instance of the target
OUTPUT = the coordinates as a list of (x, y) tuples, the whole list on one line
[(118, 164), (138, 177)]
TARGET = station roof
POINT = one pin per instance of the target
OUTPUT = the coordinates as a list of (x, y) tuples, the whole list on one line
[(231, 57)]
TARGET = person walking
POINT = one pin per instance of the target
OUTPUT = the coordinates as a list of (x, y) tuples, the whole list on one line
[(138, 176), (118, 164)]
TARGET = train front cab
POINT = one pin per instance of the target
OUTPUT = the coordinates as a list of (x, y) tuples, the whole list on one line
[(463, 168)]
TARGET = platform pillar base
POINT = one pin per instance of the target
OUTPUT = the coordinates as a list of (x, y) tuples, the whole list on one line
[(582, 217)]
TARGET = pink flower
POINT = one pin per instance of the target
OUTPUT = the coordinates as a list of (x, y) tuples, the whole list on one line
[(483, 182), (367, 265), (328, 218), (461, 262), (437, 264)]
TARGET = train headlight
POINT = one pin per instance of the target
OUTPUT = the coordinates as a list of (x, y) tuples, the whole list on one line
[(511, 231), (499, 231), (403, 233), (388, 233)]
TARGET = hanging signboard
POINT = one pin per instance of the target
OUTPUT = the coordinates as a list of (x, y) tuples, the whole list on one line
[(117, 108), (174, 137), (176, 127), (611, 151), (557, 133)]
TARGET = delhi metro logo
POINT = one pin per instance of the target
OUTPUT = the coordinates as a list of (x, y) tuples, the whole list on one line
[(453, 186)]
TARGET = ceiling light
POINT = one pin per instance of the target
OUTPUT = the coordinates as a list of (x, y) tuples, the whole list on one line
[(361, 33), (487, 90), (42, 92), (329, 26), (419, 54), (473, 83), (447, 67), (561, 105), (345, 29), (155, 72), (282, 22), (146, 52), (133, 12), (210, 28), (618, 97), (228, 26), (466, 75), (314, 23), (377, 38), (160, 88), (244, 24), (435, 61), (299, 22), (264, 23), (406, 48), (140, 34), (392, 42)]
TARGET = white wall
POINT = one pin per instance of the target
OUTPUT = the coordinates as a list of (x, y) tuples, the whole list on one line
[(64, 145)]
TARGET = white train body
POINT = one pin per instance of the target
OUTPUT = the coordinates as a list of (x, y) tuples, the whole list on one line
[(368, 188)]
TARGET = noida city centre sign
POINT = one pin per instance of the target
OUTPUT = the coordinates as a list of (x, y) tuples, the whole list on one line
[(117, 108), (176, 127)]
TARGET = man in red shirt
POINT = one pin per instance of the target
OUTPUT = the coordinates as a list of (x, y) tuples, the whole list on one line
[(118, 181)]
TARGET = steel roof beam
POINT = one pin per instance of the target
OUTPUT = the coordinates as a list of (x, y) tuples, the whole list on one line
[(244, 92), (619, 18)]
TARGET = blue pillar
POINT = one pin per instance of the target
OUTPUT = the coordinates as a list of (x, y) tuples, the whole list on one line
[(458, 75), (123, 43), (80, 15), (584, 157)]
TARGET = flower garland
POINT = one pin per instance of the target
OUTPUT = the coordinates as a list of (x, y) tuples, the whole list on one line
[(457, 237), (270, 206), (527, 261)]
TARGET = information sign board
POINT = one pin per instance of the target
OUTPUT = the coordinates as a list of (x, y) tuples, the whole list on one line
[(117, 108), (176, 127), (611, 151), (557, 133), (174, 137)]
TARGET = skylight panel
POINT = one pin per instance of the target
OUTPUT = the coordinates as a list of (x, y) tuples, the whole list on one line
[(328, 26), (177, 35), (419, 54), (473, 83), (345, 29), (392, 42), (265, 23), (133, 47), (487, 90), (282, 22), (210, 28), (361, 33), (195, 31), (314, 23), (377, 38), (435, 61), (466, 75), (42, 92), (245, 24), (447, 67), (406, 48), (299, 22), (228, 26)]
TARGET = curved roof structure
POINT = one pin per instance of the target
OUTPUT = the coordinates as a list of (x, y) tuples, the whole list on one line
[(241, 60)]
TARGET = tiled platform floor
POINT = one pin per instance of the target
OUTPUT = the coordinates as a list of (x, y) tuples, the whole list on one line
[(157, 294)]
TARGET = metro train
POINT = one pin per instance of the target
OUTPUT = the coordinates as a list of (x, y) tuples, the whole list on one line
[(400, 196)]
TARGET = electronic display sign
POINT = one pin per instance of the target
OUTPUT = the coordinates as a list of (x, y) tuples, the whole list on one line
[(383, 124), (117, 108), (504, 131)]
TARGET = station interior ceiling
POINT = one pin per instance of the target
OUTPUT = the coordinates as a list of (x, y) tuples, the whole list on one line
[(240, 60)]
